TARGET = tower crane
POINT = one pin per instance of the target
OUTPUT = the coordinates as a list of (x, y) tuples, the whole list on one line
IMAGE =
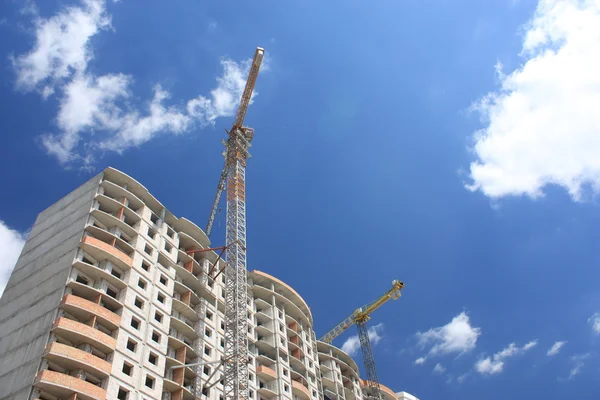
[(235, 359), (360, 317)]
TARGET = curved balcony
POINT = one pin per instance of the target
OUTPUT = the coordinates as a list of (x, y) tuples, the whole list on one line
[(189, 373), (189, 243), (73, 358), (115, 191), (295, 343), (62, 386), (134, 187), (266, 372), (183, 327), (291, 307), (172, 387), (182, 288), (186, 226), (185, 310), (100, 249), (192, 281), (78, 333), (296, 362), (332, 353), (288, 292), (268, 390), (264, 328), (111, 219), (103, 234), (97, 273), (177, 343), (265, 358), (300, 390), (328, 379), (85, 291), (85, 309)]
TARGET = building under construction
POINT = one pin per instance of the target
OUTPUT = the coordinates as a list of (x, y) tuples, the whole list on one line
[(114, 297)]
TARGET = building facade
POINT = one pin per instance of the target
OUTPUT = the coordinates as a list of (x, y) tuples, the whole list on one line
[(108, 301)]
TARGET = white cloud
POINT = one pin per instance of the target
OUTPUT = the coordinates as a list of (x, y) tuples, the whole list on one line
[(11, 244), (457, 336), (88, 102), (62, 45), (555, 349), (352, 344), (420, 360), (543, 123), (439, 368), (578, 363), (95, 112), (594, 320), (136, 130), (495, 364)]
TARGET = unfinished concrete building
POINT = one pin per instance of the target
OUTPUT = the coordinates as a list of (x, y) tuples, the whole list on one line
[(106, 302)]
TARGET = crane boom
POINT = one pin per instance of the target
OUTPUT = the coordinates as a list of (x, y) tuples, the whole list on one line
[(360, 317), (217, 199), (247, 95), (235, 360), (363, 313)]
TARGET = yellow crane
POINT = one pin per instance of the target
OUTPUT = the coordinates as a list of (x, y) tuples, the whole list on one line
[(360, 317)]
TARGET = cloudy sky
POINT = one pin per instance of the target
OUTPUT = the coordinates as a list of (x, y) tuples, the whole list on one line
[(454, 143)]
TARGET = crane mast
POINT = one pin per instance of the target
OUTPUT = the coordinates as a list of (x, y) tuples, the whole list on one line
[(235, 360), (360, 317)]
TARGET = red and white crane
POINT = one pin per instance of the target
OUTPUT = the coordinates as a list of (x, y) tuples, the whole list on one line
[(236, 286)]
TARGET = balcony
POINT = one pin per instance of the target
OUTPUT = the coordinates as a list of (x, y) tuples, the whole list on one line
[(261, 303), (297, 360), (62, 386), (178, 391), (183, 306), (300, 390), (265, 358), (91, 293), (293, 326), (114, 192), (267, 390), (85, 310), (326, 365), (105, 246), (99, 271), (183, 326), (264, 342), (178, 340), (73, 358), (111, 217), (192, 280), (264, 328), (266, 372), (295, 341), (328, 378), (118, 209), (181, 289), (179, 357), (264, 314), (78, 333)]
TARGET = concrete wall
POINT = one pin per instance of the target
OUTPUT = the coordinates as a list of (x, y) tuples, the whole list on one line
[(35, 288)]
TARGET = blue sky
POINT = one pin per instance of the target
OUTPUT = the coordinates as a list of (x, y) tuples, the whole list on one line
[(449, 144)]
